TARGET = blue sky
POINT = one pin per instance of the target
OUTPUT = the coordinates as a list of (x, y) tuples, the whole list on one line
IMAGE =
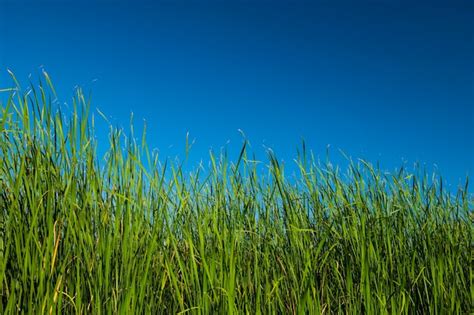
[(387, 81)]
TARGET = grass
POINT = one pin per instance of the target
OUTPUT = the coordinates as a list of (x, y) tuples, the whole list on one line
[(128, 234)]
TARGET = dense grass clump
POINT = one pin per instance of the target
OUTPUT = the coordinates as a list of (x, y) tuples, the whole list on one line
[(128, 234)]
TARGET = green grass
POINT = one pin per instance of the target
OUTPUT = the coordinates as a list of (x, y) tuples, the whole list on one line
[(127, 233)]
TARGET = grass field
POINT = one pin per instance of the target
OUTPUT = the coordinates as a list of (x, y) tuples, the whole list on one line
[(127, 233)]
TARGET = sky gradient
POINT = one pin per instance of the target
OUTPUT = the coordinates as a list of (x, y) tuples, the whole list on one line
[(386, 81)]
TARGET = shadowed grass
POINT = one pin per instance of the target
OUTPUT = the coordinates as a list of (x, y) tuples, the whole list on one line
[(127, 234)]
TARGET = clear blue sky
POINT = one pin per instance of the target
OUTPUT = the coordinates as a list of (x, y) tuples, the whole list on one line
[(387, 81)]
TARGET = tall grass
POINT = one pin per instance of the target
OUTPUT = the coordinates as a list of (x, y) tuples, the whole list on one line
[(130, 234)]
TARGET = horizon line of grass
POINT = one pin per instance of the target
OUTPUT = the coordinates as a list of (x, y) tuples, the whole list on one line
[(134, 235)]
